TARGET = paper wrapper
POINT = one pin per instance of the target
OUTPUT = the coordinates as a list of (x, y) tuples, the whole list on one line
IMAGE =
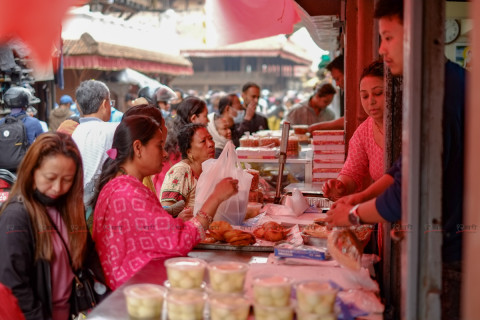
[(297, 202)]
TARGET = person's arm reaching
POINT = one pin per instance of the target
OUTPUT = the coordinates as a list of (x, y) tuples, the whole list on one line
[(374, 190), (367, 211), (226, 188), (334, 189), (337, 124)]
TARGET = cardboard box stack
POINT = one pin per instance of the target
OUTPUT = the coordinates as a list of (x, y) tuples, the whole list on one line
[(328, 154)]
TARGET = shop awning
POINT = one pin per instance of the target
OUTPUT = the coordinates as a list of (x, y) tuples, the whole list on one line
[(133, 77), (87, 53)]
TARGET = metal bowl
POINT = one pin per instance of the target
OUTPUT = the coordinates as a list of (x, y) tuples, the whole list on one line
[(314, 241)]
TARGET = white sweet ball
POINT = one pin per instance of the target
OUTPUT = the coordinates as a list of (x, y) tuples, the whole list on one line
[(186, 283), (144, 312)]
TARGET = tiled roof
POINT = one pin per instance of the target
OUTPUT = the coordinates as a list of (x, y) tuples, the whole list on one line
[(86, 46), (267, 47)]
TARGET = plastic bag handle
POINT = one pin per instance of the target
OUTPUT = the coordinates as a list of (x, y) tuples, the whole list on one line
[(231, 155)]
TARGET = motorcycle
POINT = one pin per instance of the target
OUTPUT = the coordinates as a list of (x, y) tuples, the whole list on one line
[(7, 179)]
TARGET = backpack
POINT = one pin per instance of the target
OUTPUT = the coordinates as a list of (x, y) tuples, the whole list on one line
[(13, 142)]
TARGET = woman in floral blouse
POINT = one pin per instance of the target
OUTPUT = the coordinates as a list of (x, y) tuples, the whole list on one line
[(196, 145)]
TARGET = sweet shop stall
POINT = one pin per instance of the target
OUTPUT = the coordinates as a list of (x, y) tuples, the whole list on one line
[(269, 257)]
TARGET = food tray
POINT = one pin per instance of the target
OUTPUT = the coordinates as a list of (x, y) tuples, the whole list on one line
[(229, 247), (319, 202)]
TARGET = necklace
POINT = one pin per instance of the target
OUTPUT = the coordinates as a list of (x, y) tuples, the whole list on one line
[(122, 171), (378, 127)]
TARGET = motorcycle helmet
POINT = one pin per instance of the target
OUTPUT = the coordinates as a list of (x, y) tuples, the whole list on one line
[(147, 93), (164, 94), (17, 97)]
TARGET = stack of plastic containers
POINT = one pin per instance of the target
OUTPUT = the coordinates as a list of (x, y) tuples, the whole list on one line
[(226, 290), (315, 301), (272, 298), (186, 295), (328, 154)]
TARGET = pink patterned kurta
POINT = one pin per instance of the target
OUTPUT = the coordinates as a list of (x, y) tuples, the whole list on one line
[(365, 157), (131, 227)]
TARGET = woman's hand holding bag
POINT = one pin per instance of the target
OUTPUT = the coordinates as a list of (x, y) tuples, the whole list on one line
[(233, 208)]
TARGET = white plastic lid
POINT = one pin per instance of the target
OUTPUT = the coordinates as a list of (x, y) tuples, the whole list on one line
[(315, 286), (228, 266), (185, 263), (271, 281)]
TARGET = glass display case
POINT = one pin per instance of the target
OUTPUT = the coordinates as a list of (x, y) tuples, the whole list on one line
[(297, 169)]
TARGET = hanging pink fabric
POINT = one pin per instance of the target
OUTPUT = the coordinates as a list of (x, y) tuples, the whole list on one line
[(21, 19), (243, 20)]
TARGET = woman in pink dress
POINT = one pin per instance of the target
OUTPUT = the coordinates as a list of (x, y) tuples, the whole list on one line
[(130, 226), (364, 162)]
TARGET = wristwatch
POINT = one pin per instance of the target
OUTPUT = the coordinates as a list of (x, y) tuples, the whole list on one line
[(353, 216)]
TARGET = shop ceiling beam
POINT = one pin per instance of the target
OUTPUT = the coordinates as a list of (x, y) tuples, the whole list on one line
[(321, 7)]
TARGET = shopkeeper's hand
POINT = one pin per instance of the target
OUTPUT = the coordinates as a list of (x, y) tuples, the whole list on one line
[(334, 189), (226, 188), (353, 199), (338, 215), (250, 112)]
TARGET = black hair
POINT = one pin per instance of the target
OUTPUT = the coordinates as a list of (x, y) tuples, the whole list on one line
[(186, 109), (389, 9), (248, 85), (374, 69), (325, 90), (182, 94), (336, 63), (185, 136), (130, 129), (148, 110), (225, 102)]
